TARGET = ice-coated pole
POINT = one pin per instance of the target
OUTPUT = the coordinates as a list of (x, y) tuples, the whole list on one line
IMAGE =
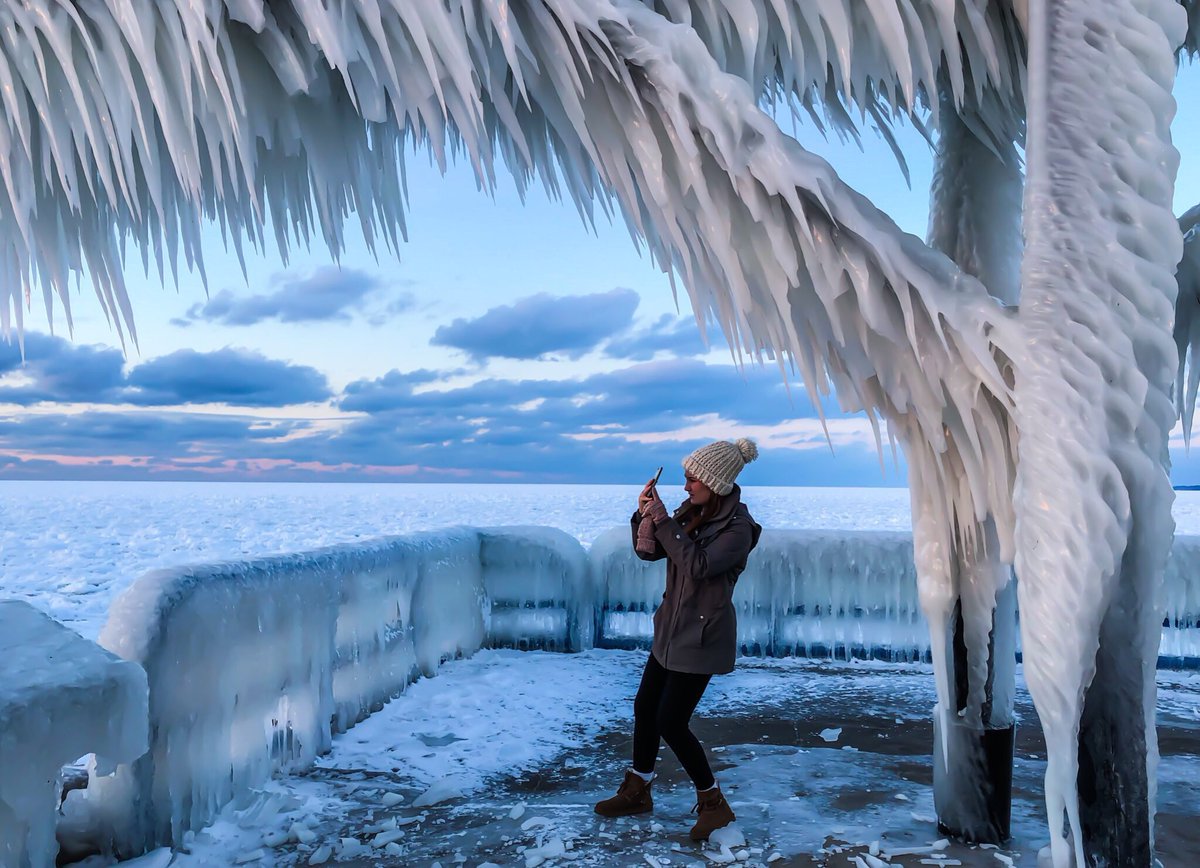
[(974, 218)]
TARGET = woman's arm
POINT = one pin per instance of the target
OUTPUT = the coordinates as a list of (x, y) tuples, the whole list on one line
[(727, 550), (658, 554)]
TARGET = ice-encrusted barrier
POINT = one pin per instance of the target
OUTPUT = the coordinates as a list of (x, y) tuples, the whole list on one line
[(839, 594), (61, 696), (806, 593), (253, 666)]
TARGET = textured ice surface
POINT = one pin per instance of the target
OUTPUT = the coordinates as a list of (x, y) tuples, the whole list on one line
[(61, 697), (253, 665), (844, 594), (804, 593), (1094, 409)]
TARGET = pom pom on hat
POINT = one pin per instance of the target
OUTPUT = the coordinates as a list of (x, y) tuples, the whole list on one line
[(718, 464)]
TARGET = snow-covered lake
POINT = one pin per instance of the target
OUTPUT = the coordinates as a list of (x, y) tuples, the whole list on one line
[(70, 547)]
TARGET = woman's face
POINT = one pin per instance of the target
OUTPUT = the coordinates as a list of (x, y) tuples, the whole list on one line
[(698, 492)]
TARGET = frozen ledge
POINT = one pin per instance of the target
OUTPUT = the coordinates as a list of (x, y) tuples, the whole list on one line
[(253, 666), (61, 697)]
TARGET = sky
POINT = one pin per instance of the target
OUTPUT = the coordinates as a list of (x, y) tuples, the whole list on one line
[(507, 341)]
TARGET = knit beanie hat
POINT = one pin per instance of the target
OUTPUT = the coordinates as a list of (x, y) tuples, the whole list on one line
[(718, 464)]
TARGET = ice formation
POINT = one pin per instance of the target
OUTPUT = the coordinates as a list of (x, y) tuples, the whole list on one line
[(852, 595), (1187, 319), (254, 112), (253, 665), (61, 697), (135, 119), (1094, 410), (538, 584), (968, 593)]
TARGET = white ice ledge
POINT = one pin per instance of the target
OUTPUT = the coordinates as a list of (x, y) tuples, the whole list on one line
[(61, 697)]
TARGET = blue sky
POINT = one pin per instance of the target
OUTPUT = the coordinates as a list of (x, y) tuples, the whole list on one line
[(507, 342)]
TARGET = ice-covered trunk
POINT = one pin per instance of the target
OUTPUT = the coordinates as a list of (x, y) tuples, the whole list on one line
[(975, 210), (1094, 410)]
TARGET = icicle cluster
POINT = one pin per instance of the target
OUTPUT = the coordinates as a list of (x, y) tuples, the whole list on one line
[(883, 60), (134, 120), (1187, 322)]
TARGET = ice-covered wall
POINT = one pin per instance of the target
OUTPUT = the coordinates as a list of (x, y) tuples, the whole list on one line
[(253, 666), (539, 590), (1181, 596), (61, 696), (839, 594), (805, 593)]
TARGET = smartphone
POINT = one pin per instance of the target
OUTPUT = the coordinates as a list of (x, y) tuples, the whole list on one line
[(656, 476)]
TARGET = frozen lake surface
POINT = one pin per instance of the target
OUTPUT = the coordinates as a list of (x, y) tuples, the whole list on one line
[(70, 547)]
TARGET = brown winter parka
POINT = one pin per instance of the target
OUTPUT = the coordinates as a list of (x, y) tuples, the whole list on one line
[(695, 626)]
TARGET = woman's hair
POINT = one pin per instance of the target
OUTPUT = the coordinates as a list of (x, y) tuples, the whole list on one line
[(692, 518)]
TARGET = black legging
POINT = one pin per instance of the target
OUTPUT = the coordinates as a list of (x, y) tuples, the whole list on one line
[(664, 705)]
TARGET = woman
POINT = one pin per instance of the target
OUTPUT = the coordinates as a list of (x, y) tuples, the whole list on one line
[(706, 544)]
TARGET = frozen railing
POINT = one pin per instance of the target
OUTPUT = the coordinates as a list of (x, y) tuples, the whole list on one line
[(838, 594), (1181, 593), (253, 666), (61, 696), (538, 590), (804, 593)]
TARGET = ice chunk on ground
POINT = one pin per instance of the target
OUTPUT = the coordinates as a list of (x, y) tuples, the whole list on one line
[(831, 735), (729, 836), (442, 791)]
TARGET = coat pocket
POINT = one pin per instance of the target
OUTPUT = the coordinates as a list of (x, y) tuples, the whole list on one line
[(689, 630)]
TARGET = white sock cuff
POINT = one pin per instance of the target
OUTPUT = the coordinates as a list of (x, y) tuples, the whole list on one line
[(708, 789), (645, 776)]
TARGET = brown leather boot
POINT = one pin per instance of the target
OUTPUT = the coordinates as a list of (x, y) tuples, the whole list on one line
[(713, 813), (632, 798)]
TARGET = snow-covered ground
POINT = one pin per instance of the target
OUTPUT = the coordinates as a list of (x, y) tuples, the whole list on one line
[(499, 759), (70, 547)]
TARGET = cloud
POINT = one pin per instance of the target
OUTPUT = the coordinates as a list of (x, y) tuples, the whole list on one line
[(386, 392), (55, 370), (678, 336), (610, 427), (228, 376), (328, 293), (646, 396), (541, 324)]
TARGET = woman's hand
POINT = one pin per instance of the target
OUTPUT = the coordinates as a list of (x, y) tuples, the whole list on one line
[(648, 500)]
